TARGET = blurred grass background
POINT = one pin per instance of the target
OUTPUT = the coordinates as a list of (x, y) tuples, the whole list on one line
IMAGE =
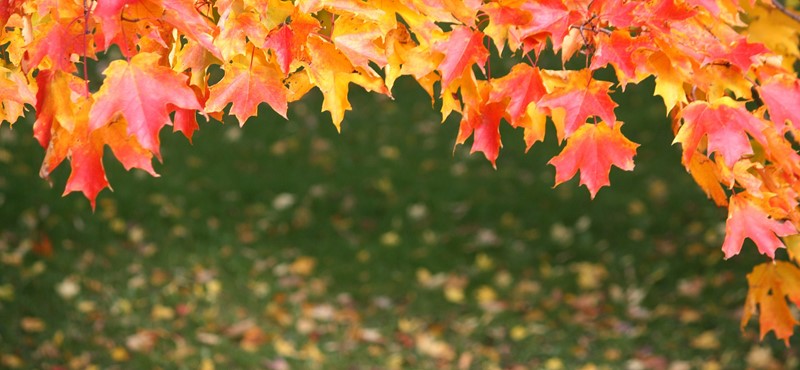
[(284, 244)]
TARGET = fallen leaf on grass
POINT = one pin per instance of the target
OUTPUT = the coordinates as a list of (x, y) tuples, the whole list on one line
[(160, 312), (68, 288), (431, 346), (142, 341), (32, 324), (119, 354), (6, 292), (707, 340), (303, 266)]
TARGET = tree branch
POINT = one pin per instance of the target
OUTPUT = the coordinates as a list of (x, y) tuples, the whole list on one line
[(789, 13)]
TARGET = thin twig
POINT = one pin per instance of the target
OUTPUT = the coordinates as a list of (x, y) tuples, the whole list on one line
[(789, 13)]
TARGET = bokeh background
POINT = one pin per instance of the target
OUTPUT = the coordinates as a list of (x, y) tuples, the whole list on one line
[(286, 245)]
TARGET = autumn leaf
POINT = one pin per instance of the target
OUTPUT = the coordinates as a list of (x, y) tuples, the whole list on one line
[(359, 41), (14, 93), (332, 73), (143, 92), (504, 15), (770, 285), (747, 219), (781, 94), (521, 86), (247, 86), (57, 43), (725, 122), (549, 17), (707, 176), (483, 119), (623, 52), (578, 99), (462, 48), (669, 80), (280, 41), (592, 150)]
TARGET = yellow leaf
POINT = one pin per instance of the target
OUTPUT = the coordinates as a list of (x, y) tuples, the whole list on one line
[(793, 247), (119, 354), (669, 82)]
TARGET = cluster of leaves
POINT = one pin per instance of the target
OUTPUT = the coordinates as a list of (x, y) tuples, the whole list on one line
[(723, 69)]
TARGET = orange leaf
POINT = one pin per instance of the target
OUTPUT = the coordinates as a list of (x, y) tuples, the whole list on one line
[(463, 48), (144, 92), (725, 122), (248, 86), (580, 98), (746, 219), (770, 284), (593, 149)]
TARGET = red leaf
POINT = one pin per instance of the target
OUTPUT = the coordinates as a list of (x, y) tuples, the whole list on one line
[(184, 16), (280, 41), (782, 97), (725, 122), (463, 48), (88, 175), (593, 149), (748, 220), (619, 51), (246, 87), (743, 54), (550, 17), (481, 117), (58, 44), (581, 99), (143, 92), (522, 86)]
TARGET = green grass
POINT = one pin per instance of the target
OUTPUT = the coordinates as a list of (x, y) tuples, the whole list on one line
[(183, 258)]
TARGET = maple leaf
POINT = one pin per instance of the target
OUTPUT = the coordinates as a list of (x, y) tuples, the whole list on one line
[(669, 80), (87, 175), (502, 16), (521, 86), (725, 122), (280, 41), (579, 98), (770, 284), (550, 17), (621, 51), (14, 94), (58, 43), (236, 28), (592, 150), (743, 54), (332, 73), (781, 95), (143, 92), (359, 41), (125, 148), (481, 117), (247, 86), (184, 16), (707, 176), (746, 219), (463, 48)]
